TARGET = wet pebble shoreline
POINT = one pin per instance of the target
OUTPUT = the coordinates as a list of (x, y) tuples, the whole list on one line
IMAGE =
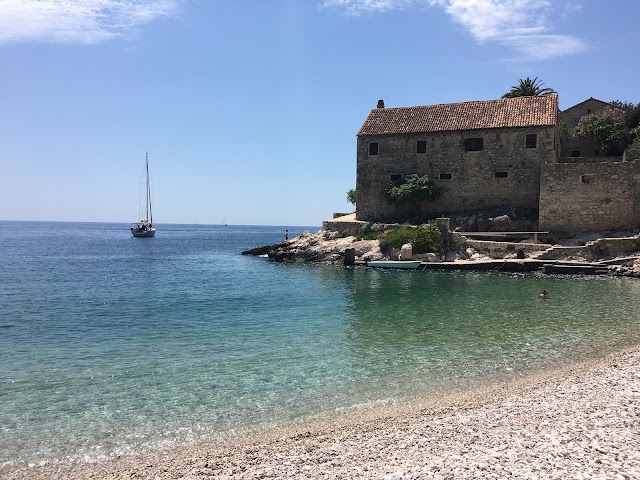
[(578, 422)]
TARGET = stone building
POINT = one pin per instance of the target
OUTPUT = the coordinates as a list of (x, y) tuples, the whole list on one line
[(482, 154), (575, 147), (586, 190), (495, 154)]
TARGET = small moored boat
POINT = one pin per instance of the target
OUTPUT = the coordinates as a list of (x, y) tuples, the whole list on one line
[(405, 264)]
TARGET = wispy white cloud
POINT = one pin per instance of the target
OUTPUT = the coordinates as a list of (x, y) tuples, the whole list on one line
[(542, 47), (76, 21), (520, 24), (356, 7)]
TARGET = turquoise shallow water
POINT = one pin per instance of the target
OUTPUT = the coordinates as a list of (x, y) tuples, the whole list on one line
[(110, 344)]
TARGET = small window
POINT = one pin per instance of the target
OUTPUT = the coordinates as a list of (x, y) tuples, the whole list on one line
[(396, 178), (531, 140), (596, 153), (575, 153), (373, 148), (445, 176), (587, 178), (421, 146), (473, 144), (588, 111), (502, 174)]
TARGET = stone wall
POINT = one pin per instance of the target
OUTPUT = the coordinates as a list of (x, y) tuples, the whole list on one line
[(589, 196), (500, 249), (343, 228), (580, 147), (504, 173), (613, 246), (599, 249)]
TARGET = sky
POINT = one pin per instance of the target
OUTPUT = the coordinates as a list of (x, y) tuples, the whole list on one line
[(249, 109)]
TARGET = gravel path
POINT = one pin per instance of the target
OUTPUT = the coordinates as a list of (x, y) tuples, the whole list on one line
[(577, 422)]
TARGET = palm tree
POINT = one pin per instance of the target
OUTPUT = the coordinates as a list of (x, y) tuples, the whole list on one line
[(528, 88)]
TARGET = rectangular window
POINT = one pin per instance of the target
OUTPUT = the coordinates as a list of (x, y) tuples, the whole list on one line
[(473, 144), (502, 174), (396, 178), (575, 153), (445, 176), (373, 148), (531, 140), (587, 178), (421, 146)]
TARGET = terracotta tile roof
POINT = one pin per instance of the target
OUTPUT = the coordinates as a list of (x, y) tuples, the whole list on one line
[(478, 115)]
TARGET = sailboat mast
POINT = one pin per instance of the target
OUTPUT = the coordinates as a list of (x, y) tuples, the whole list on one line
[(149, 212)]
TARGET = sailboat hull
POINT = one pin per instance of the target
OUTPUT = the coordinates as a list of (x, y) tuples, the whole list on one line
[(143, 233)]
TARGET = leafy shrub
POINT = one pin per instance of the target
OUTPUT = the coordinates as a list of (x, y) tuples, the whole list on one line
[(424, 238), (370, 232)]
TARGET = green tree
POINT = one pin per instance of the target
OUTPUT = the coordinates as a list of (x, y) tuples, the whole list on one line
[(528, 88), (607, 128), (634, 148), (351, 196), (413, 189), (565, 131), (409, 193), (631, 113)]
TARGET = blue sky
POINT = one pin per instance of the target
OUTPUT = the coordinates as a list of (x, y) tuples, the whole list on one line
[(249, 109)]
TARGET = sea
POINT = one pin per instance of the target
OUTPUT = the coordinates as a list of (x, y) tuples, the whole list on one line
[(111, 344)]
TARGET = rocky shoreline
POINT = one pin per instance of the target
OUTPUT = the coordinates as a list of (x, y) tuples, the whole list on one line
[(580, 421), (618, 253)]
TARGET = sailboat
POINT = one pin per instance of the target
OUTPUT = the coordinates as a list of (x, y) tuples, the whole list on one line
[(145, 228)]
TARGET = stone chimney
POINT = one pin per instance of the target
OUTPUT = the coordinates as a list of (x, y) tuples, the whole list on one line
[(380, 103)]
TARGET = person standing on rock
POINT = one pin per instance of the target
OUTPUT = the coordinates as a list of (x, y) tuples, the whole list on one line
[(286, 235)]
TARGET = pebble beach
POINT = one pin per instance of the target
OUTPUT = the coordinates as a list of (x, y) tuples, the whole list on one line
[(580, 421)]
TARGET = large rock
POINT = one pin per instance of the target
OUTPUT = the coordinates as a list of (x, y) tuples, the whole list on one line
[(406, 251), (323, 247), (501, 223)]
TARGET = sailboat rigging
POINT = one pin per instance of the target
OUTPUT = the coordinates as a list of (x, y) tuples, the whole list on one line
[(145, 228)]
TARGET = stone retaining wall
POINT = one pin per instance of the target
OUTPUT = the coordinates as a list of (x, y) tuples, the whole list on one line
[(344, 229), (589, 196), (500, 249), (598, 249), (612, 247)]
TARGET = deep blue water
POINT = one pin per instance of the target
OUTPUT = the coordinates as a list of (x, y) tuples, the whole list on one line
[(110, 344)]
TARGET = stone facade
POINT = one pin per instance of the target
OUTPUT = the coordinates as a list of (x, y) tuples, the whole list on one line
[(475, 168), (504, 173), (590, 196)]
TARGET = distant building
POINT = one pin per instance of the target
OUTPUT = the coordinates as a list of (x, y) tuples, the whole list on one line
[(576, 147), (495, 154)]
